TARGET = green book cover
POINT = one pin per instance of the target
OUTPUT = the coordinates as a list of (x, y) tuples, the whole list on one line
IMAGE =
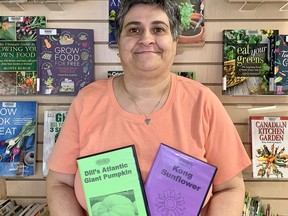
[(112, 183)]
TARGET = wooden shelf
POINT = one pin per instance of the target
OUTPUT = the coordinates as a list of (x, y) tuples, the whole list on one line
[(251, 5), (53, 5)]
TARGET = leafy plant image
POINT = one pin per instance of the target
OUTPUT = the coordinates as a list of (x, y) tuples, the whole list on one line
[(7, 31), (170, 203), (26, 28), (186, 10), (271, 160), (49, 81), (114, 204), (112, 19), (246, 57), (234, 37)]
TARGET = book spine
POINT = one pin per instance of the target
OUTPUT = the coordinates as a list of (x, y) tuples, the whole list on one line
[(272, 63), (224, 79)]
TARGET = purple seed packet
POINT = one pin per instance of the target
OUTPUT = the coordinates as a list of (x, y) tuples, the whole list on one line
[(177, 183)]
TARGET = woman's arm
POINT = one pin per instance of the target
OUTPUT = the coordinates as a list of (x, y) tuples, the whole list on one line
[(61, 196), (227, 199)]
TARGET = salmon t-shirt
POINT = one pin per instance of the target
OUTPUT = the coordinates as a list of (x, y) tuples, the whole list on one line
[(192, 120)]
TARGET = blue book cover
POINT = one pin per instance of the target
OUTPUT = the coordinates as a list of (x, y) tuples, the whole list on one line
[(65, 60), (18, 122), (113, 10)]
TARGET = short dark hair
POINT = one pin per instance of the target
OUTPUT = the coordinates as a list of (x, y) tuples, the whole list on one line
[(170, 7)]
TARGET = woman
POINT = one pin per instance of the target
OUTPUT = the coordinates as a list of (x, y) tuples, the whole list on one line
[(147, 106)]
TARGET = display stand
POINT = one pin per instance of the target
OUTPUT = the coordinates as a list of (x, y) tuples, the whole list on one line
[(20, 5), (254, 4)]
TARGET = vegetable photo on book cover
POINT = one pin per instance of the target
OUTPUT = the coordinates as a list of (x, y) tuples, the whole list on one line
[(17, 130), (269, 146), (18, 63)]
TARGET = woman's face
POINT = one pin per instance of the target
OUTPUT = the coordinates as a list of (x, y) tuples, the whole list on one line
[(146, 42)]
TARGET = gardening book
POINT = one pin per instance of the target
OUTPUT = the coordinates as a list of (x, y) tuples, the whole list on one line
[(112, 73), (192, 22), (190, 74), (113, 10), (112, 183), (18, 124), (65, 60), (248, 62), (280, 66), (269, 138), (18, 62), (177, 183), (53, 121)]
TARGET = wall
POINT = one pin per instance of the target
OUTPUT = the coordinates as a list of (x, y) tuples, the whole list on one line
[(205, 61)]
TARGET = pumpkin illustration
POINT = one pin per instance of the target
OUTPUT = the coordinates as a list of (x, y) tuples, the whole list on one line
[(114, 205)]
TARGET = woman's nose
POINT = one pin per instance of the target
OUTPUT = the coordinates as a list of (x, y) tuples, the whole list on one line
[(147, 38)]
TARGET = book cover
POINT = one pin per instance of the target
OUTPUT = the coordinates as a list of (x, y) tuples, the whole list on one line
[(65, 60), (18, 122), (269, 138), (190, 74), (113, 73), (177, 183), (112, 183), (113, 9), (280, 66), (192, 22), (18, 63), (53, 121), (247, 62)]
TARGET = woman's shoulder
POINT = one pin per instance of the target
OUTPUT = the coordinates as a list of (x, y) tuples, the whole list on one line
[(189, 84), (98, 87)]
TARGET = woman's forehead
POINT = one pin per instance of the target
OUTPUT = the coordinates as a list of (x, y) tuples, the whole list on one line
[(146, 12)]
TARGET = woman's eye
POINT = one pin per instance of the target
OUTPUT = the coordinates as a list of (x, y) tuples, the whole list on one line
[(159, 30), (134, 30)]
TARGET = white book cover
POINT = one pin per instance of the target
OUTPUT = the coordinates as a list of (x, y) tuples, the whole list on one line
[(53, 121), (269, 141)]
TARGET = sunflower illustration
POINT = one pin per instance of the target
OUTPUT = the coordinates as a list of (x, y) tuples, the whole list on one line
[(170, 203)]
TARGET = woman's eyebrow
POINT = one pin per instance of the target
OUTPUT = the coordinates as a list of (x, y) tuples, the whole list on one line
[(132, 23), (156, 22)]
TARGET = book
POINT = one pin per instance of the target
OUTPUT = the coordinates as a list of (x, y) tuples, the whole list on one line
[(247, 61), (280, 66), (65, 60), (112, 13), (8, 207), (113, 73), (20, 27), (18, 125), (190, 75), (53, 121), (44, 211), (192, 22), (18, 63), (17, 209), (112, 183), (177, 183), (26, 209), (269, 138), (32, 209)]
